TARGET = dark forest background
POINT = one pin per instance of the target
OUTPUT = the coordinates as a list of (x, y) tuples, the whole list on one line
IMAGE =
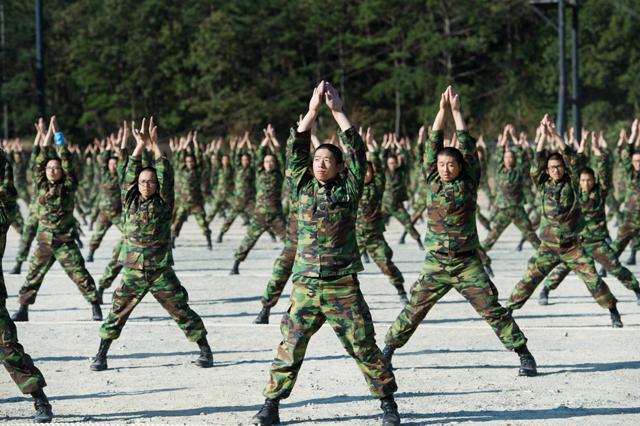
[(227, 66)]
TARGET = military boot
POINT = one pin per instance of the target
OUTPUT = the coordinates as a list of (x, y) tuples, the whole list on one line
[(268, 414), (365, 257), (527, 362), (209, 246), (96, 311), (420, 246), (543, 298), (17, 268), (616, 321), (603, 272), (263, 316), (235, 268), (632, 257), (402, 237), (390, 415), (637, 292), (42, 406), (100, 294), (89, 258), (173, 242), (484, 222), (520, 244), (273, 236), (219, 239), (387, 354), (205, 360), (22, 314), (100, 360)]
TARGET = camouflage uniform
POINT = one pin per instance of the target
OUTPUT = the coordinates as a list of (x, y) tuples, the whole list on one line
[(325, 284), (224, 191), (370, 228), (109, 201), (630, 227), (509, 202), (452, 246), (395, 194), (56, 231), (31, 224), (191, 199), (146, 256), (268, 210), (245, 193), (560, 209)]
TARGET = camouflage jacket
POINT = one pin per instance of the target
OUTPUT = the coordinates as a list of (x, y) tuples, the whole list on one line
[(188, 182), (395, 191), (8, 193), (147, 223), (268, 186), (558, 201), (632, 185), (55, 200), (370, 218), (593, 219), (509, 182), (224, 187), (326, 213), (109, 198), (451, 206), (244, 186)]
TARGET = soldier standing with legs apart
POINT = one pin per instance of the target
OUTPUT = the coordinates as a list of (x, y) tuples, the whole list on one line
[(451, 242), (325, 282), (147, 202)]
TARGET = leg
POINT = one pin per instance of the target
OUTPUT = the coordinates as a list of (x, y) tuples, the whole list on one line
[(41, 262), (256, 228), (230, 219), (539, 266), (521, 220), (102, 226), (28, 234), (133, 288), (382, 255), (604, 255), (556, 276), (112, 269), (68, 254), (182, 212), (280, 274), (583, 266), (403, 217), (498, 225)]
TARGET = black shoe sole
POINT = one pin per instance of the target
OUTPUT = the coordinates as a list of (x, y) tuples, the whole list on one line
[(261, 422)]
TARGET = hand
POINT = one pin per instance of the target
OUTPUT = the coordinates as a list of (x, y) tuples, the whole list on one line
[(332, 98), (316, 98), (444, 101), (454, 99)]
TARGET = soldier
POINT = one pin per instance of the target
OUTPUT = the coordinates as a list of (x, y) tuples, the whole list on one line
[(268, 211), (223, 189), (147, 198), (55, 196), (109, 202), (370, 220), (451, 260), (325, 283), (593, 233), (560, 208), (188, 170), (19, 364), (509, 201), (244, 185)]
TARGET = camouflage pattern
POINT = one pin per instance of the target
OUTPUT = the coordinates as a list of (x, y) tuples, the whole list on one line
[(244, 192), (466, 274), (268, 210), (146, 255), (630, 227), (189, 194), (503, 218), (167, 290), (283, 265), (113, 268), (223, 193), (327, 244), (339, 301), (109, 199)]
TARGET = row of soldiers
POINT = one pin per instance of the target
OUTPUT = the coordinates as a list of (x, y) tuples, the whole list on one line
[(336, 207)]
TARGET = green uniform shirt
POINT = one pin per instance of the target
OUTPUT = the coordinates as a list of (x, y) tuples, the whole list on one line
[(593, 219), (509, 182), (370, 218)]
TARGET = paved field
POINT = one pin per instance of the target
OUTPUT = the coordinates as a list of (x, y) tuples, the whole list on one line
[(454, 370)]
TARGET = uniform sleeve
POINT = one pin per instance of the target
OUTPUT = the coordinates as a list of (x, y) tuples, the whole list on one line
[(355, 161), (537, 166), (70, 181), (298, 157), (134, 166), (164, 173), (625, 158), (431, 148), (469, 152), (603, 172), (6, 174)]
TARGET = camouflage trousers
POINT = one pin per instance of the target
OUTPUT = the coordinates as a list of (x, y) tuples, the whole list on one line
[(376, 246), (503, 218), (548, 257), (183, 212), (466, 274), (282, 266), (400, 213), (113, 268), (243, 207), (28, 234), (166, 288), (220, 205), (260, 223), (614, 207), (18, 222), (103, 223), (49, 249), (602, 253), (629, 230), (339, 301)]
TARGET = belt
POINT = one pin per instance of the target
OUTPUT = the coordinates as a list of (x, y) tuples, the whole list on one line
[(458, 254)]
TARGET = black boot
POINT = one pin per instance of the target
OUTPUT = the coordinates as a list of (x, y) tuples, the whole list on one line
[(205, 360), (420, 246), (263, 316), (637, 292), (17, 268), (273, 236), (484, 222), (365, 257), (603, 272), (527, 363), (173, 242), (79, 243), (543, 298), (100, 294), (234, 268), (387, 354), (632, 257), (209, 246), (89, 258), (219, 240), (616, 321), (22, 314), (100, 361), (96, 311), (520, 244), (42, 406), (402, 237), (268, 414), (488, 269), (390, 416)]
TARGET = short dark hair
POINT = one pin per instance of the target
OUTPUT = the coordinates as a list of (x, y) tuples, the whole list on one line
[(555, 156), (337, 152), (588, 171), (449, 151)]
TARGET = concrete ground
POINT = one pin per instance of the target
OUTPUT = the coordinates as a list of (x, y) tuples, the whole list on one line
[(453, 370)]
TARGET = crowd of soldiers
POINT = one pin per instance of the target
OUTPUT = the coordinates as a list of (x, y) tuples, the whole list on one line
[(329, 202)]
